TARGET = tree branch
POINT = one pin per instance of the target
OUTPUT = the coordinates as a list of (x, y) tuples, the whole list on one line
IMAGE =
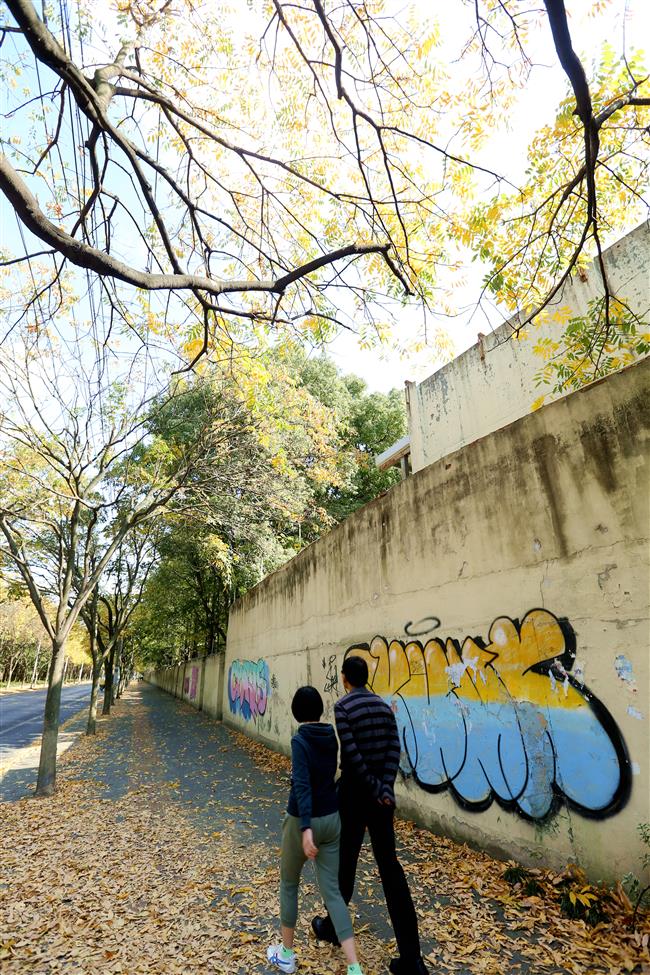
[(93, 259)]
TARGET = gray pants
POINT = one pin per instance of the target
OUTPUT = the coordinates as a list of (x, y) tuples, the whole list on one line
[(327, 830)]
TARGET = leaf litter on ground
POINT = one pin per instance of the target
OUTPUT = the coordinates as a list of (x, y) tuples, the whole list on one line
[(136, 885)]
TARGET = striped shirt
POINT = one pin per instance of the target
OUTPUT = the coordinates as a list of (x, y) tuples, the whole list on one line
[(370, 747)]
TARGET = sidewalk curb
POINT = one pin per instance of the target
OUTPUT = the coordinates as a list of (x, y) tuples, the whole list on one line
[(20, 753), (21, 689), (42, 686)]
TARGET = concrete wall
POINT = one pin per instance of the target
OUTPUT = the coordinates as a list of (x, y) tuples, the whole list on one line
[(501, 596), (213, 686), (492, 384), (199, 682)]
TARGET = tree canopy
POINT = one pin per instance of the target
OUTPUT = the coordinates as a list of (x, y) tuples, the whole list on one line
[(217, 169), (211, 554), (24, 650)]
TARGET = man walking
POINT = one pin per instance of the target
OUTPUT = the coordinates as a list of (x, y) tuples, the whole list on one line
[(370, 751)]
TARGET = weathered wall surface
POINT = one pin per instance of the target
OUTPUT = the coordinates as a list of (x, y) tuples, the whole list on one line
[(183, 681), (501, 596), (213, 689), (199, 682), (492, 384)]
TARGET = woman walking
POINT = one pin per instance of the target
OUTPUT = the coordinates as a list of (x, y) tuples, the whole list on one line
[(311, 830)]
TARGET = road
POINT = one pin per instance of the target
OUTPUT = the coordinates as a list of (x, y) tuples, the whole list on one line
[(21, 715)]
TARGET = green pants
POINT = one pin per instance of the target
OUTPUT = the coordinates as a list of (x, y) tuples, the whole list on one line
[(327, 830)]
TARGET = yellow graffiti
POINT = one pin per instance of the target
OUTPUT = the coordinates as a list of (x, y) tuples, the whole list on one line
[(476, 672)]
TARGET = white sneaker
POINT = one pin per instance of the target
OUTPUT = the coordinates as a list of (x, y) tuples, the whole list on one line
[(274, 956)]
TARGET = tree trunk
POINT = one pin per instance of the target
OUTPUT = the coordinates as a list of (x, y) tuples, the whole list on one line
[(213, 615), (117, 670), (91, 727), (108, 682), (125, 669), (46, 782), (35, 670), (211, 632)]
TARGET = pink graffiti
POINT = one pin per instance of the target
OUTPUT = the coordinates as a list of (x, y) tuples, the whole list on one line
[(248, 688)]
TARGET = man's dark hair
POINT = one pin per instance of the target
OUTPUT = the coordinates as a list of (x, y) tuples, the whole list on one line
[(355, 671), (307, 704)]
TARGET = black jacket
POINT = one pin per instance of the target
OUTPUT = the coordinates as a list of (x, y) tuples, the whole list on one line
[(314, 751)]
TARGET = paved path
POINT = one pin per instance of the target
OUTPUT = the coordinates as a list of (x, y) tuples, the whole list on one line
[(159, 856)]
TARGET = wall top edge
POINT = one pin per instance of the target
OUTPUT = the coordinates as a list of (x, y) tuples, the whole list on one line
[(502, 333), (332, 538)]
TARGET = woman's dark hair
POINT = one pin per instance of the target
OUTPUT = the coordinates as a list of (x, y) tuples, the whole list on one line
[(307, 704), (355, 671)]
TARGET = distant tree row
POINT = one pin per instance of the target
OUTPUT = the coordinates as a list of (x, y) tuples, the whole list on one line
[(24, 650), (210, 555)]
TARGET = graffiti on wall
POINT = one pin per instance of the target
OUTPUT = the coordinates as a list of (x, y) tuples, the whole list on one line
[(193, 682), (502, 719), (249, 688), (331, 684)]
